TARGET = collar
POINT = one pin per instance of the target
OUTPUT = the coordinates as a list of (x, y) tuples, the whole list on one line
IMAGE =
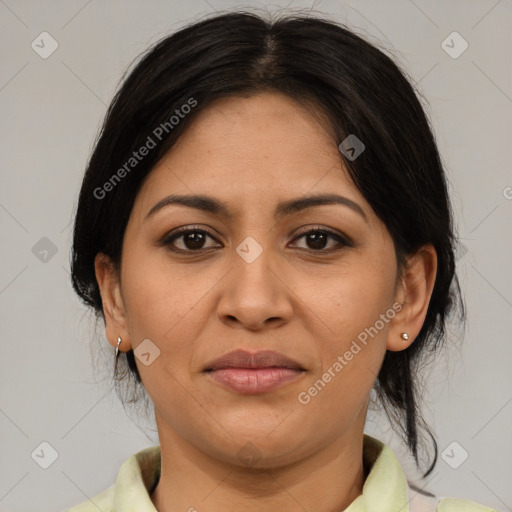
[(385, 488)]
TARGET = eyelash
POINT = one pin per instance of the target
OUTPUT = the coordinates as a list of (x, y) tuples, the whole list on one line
[(180, 232)]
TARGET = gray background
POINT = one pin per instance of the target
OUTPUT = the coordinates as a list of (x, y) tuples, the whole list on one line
[(55, 377)]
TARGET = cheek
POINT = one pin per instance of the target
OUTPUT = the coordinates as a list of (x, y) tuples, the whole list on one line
[(159, 307), (356, 308), (355, 301), (167, 304), (159, 296), (349, 361)]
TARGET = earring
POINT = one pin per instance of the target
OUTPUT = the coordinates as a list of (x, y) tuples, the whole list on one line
[(404, 336), (119, 340)]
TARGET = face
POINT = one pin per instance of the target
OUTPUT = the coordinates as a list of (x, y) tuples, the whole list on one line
[(316, 284)]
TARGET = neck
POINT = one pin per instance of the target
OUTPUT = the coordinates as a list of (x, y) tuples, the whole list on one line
[(327, 481)]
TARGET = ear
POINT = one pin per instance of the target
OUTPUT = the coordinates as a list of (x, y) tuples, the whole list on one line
[(113, 304), (414, 291)]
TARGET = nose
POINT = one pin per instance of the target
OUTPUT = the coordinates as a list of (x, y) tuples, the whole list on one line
[(255, 295)]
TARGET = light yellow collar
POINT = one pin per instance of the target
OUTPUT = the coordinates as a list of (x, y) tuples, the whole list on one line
[(384, 490)]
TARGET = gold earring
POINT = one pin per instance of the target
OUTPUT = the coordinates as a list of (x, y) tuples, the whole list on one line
[(404, 336)]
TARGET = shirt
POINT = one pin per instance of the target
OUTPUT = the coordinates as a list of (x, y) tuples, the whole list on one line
[(385, 488)]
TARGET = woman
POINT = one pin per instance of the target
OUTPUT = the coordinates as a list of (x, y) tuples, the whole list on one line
[(265, 229)]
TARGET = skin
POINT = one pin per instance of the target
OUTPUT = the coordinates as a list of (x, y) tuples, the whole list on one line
[(252, 153)]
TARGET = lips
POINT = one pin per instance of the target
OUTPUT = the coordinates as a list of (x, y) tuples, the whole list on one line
[(253, 373), (261, 359)]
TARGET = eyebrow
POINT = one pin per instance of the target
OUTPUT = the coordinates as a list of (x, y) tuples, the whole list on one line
[(212, 205)]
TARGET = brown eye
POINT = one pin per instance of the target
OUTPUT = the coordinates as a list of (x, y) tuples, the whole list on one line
[(317, 240), (194, 240), (190, 240)]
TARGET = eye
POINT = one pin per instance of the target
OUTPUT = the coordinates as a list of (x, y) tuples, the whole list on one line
[(191, 239), (316, 239)]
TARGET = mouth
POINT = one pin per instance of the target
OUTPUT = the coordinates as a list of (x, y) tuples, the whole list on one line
[(253, 373)]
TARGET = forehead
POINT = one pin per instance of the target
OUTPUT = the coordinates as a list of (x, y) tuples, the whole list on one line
[(252, 151)]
